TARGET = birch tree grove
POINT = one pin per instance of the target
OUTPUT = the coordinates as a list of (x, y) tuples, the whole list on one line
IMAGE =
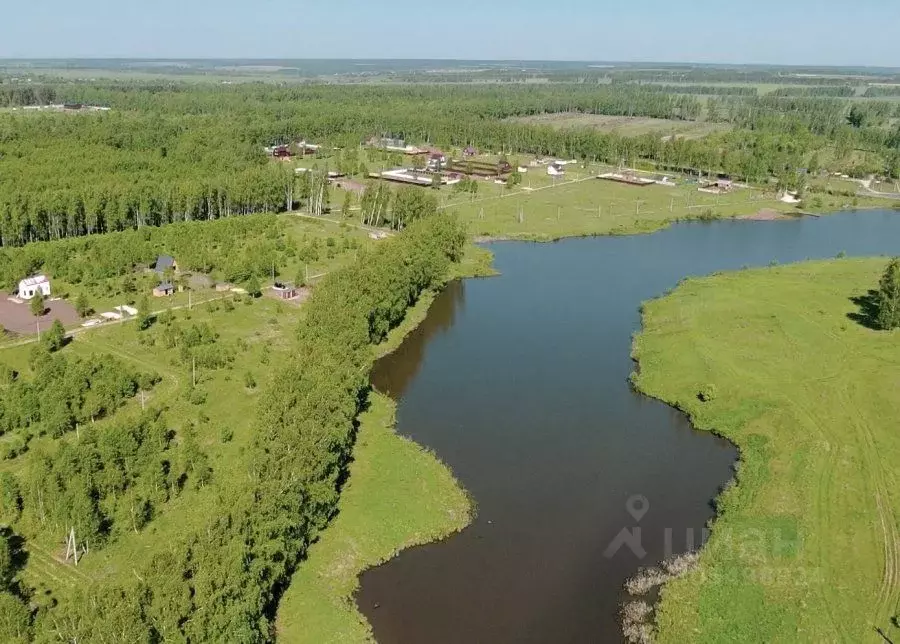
[(165, 154)]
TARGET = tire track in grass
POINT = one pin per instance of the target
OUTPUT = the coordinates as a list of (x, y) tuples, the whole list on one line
[(890, 581)]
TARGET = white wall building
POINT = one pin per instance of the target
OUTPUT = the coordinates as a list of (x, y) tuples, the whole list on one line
[(31, 286)]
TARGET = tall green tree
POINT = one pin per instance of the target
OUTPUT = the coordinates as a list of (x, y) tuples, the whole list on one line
[(82, 305), (888, 299), (253, 287), (144, 316), (37, 305), (55, 338)]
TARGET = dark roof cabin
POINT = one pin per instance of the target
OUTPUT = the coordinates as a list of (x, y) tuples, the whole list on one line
[(164, 289), (164, 263)]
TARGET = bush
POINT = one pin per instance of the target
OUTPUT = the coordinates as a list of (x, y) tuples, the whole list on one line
[(708, 393), (253, 288)]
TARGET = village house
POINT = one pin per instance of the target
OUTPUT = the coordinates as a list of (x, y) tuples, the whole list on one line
[(33, 286), (164, 289), (165, 263), (436, 162), (556, 170)]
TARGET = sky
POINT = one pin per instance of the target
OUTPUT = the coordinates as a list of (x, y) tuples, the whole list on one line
[(810, 32)]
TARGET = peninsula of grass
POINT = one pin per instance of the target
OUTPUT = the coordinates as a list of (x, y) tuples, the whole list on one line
[(781, 361), (398, 495)]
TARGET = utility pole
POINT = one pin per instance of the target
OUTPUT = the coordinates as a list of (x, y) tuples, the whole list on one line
[(194, 372)]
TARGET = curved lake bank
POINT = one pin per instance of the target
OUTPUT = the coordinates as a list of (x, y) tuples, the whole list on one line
[(519, 383)]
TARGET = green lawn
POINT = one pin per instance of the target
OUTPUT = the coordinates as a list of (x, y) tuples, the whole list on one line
[(807, 545), (590, 206)]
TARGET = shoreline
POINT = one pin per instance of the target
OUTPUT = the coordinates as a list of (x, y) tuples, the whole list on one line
[(321, 598), (769, 431), (764, 214), (478, 266)]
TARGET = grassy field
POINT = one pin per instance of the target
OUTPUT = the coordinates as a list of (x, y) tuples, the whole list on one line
[(260, 333), (398, 495), (221, 410), (589, 206), (807, 544), (625, 125)]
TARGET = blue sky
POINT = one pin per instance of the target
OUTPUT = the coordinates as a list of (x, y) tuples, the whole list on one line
[(862, 32)]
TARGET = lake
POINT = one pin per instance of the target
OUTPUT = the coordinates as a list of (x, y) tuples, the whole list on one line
[(519, 383)]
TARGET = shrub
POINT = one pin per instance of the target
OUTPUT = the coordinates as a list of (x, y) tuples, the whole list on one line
[(707, 393)]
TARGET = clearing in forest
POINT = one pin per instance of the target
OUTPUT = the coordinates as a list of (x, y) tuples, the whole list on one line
[(624, 125)]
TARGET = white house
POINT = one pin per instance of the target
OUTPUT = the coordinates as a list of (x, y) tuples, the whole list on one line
[(31, 286), (555, 170)]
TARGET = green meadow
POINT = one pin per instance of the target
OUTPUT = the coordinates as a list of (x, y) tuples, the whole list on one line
[(806, 546)]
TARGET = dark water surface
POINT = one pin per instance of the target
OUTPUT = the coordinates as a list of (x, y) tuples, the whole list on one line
[(519, 383)]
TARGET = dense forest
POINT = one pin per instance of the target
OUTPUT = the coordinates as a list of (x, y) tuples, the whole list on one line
[(170, 152)]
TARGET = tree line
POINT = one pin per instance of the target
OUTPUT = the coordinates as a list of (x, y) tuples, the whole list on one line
[(169, 153), (236, 248)]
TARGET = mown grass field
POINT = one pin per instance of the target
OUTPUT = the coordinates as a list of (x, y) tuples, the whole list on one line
[(590, 206), (807, 544)]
